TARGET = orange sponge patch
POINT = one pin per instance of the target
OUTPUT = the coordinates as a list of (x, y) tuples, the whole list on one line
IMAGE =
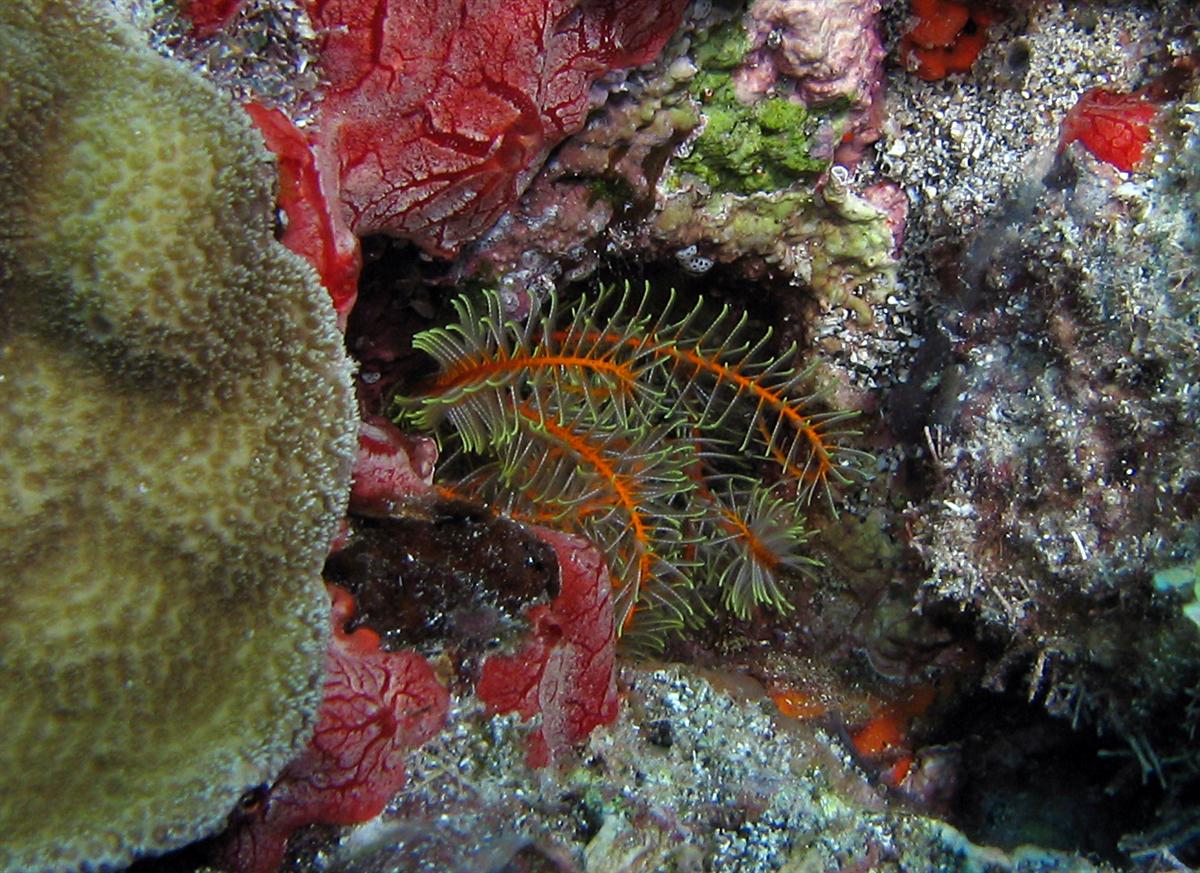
[(946, 38)]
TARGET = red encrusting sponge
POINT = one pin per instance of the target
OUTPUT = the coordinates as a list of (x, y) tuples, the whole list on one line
[(564, 672), (378, 707), (947, 38), (1114, 127)]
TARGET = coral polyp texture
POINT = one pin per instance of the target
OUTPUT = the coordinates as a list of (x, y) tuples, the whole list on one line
[(178, 432), (647, 427)]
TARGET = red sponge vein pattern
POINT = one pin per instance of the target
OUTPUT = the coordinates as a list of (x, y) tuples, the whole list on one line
[(565, 671), (438, 113), (378, 707)]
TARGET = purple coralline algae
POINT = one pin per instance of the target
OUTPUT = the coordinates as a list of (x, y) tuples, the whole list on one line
[(717, 154), (825, 52)]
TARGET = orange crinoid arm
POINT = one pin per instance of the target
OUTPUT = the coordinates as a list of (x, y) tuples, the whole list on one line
[(651, 436)]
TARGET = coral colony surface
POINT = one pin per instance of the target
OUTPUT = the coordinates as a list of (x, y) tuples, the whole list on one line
[(599, 435)]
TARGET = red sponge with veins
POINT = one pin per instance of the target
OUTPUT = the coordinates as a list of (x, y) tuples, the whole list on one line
[(439, 113), (564, 672), (1114, 127), (378, 707)]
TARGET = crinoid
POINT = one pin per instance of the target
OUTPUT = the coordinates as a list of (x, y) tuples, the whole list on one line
[(652, 430)]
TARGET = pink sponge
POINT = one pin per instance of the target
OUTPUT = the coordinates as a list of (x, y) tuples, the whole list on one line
[(378, 707)]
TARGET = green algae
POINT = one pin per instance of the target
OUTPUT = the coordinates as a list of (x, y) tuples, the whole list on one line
[(743, 148), (833, 241), (1185, 580)]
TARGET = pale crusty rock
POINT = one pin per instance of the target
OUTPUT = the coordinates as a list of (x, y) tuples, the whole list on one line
[(178, 427)]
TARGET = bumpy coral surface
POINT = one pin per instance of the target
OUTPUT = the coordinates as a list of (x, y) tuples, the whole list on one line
[(178, 430), (1028, 385), (378, 706)]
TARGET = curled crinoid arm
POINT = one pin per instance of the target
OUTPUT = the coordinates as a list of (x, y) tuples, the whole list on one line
[(490, 363), (625, 488), (480, 365), (751, 402), (647, 429), (719, 376), (751, 546), (814, 456)]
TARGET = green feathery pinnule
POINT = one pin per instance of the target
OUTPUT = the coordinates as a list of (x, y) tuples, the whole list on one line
[(647, 434)]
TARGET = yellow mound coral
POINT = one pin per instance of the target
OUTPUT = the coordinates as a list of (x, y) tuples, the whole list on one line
[(178, 425)]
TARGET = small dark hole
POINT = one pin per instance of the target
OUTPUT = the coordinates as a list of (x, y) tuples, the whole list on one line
[(1018, 58)]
